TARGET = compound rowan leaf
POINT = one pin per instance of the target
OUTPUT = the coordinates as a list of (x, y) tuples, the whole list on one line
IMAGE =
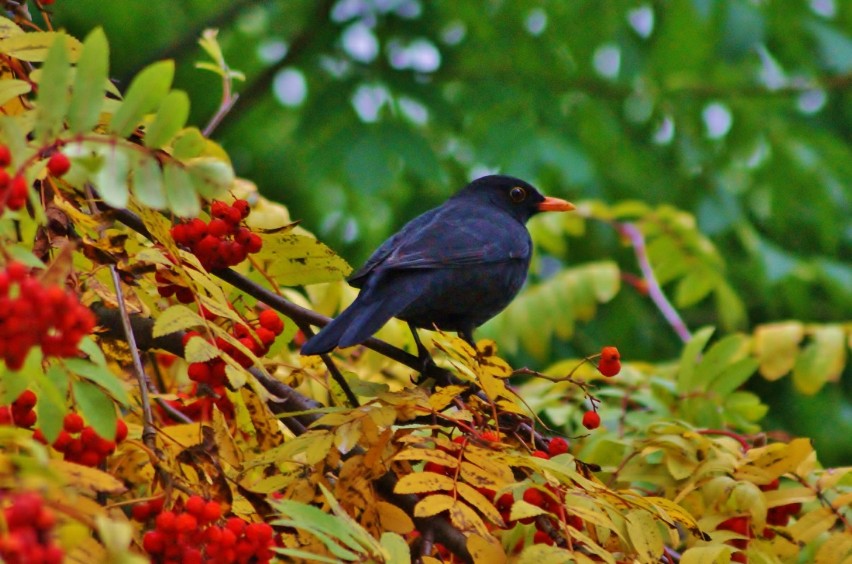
[(148, 183), (293, 260), (180, 193), (423, 482)]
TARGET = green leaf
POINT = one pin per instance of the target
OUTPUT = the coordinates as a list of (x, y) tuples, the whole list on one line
[(90, 83), (110, 180), (180, 193), (695, 286), (170, 118), (53, 91), (734, 376), (717, 360), (97, 407), (101, 376), (189, 144), (689, 359), (146, 92), (294, 260), (91, 348), (14, 382), (211, 177), (51, 407), (148, 183), (199, 350)]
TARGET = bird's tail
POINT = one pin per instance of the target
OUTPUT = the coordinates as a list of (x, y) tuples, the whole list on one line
[(357, 322)]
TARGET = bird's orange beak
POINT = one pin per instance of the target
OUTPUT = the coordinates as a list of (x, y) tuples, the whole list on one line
[(555, 204)]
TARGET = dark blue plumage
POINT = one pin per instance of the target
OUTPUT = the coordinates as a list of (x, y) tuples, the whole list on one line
[(454, 267)]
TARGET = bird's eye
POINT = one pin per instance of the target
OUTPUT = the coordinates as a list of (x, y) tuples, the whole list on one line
[(517, 194)]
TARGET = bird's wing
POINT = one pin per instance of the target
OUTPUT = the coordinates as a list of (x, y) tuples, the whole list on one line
[(446, 239)]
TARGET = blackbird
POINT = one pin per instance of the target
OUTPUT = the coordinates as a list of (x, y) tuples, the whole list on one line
[(453, 267)]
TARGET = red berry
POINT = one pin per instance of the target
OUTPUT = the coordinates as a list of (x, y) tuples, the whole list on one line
[(541, 454), (255, 243), (534, 497), (166, 522), (26, 401), (5, 156), (557, 446), (195, 505), (739, 525), (120, 431), (73, 423), (218, 228), (58, 164), (186, 523), (212, 511), (154, 542), (591, 420), (140, 512), (540, 537), (243, 207), (184, 295), (610, 363), (235, 525), (269, 319)]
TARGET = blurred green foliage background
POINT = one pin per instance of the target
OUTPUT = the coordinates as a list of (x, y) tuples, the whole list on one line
[(360, 114)]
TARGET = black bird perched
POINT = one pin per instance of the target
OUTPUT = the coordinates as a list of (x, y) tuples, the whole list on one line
[(454, 267)]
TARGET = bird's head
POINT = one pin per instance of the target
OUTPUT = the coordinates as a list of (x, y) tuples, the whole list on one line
[(513, 195)]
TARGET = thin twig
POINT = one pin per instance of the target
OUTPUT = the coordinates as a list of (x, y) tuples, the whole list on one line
[(655, 292)]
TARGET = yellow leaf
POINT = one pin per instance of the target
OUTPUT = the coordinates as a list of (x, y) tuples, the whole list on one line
[(481, 478), (394, 519), (430, 455), (33, 46), (422, 482), (522, 509), (777, 346), (492, 461), (485, 550), (296, 260), (86, 478), (644, 533), (199, 350), (769, 462), (466, 519), (482, 503), (812, 524), (176, 318), (676, 514), (713, 554), (442, 398), (837, 548), (822, 360), (432, 505), (831, 476), (540, 553)]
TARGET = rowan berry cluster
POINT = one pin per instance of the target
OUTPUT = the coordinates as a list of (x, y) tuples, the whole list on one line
[(80, 443), (223, 241), (13, 190), (195, 532), (28, 533), (32, 314), (20, 413), (256, 339)]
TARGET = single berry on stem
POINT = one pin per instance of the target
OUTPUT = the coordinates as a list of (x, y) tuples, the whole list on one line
[(591, 420)]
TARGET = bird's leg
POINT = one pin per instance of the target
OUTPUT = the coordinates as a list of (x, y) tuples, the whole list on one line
[(426, 361)]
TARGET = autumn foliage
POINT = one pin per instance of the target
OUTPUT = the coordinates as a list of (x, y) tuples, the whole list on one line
[(155, 406)]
